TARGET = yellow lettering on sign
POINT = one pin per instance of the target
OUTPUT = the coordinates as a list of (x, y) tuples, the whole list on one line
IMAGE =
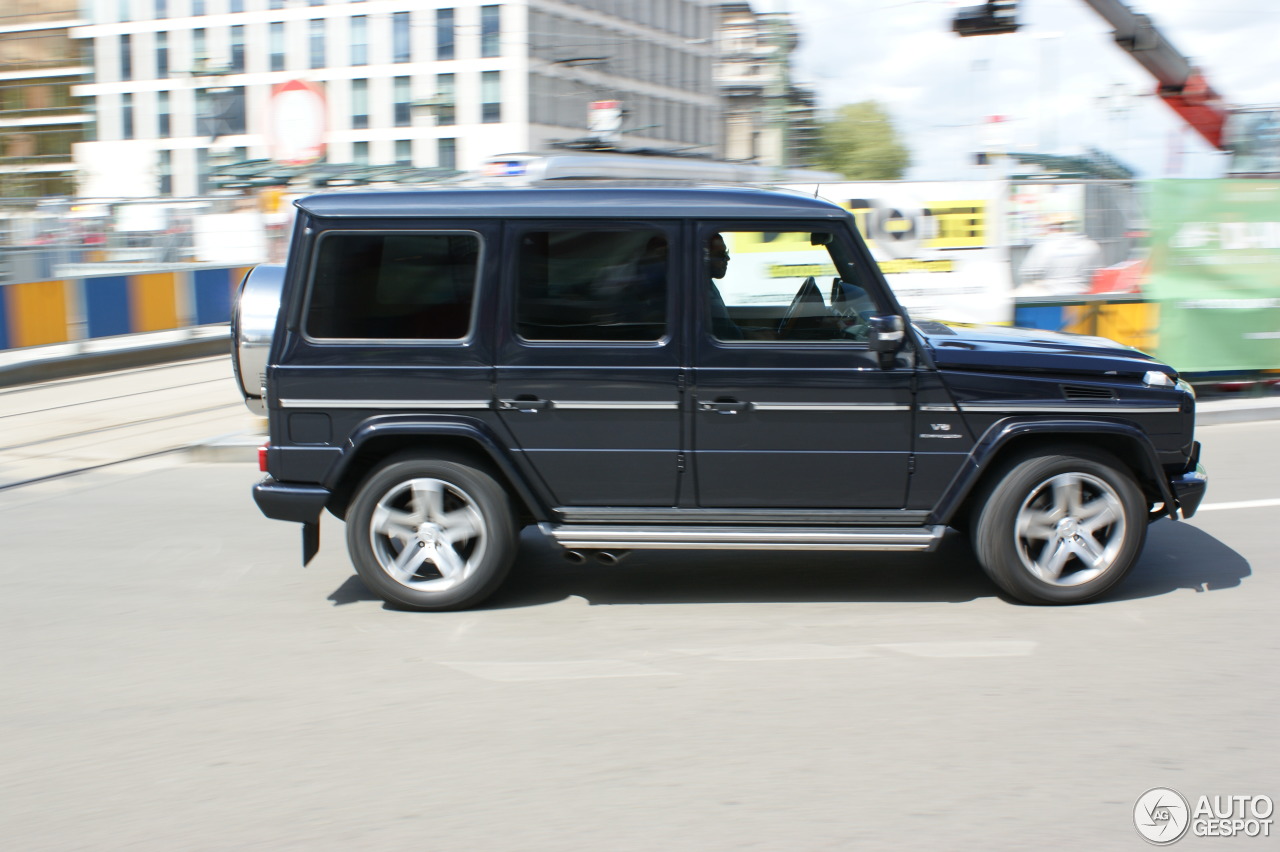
[(774, 241), (961, 224), (891, 267)]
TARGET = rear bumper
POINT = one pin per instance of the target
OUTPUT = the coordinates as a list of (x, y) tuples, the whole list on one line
[(289, 501)]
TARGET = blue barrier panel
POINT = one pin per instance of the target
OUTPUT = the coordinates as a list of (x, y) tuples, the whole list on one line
[(106, 305), (213, 295), (1043, 317), (4, 318)]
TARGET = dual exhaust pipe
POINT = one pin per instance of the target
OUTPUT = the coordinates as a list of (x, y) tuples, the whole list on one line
[(604, 557)]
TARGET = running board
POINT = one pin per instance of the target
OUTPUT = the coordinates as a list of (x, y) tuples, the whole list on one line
[(599, 537)]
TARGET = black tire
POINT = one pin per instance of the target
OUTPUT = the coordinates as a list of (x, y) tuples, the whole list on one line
[(1062, 526), (431, 534)]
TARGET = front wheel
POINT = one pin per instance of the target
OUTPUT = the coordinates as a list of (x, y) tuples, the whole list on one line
[(1061, 528), (430, 534)]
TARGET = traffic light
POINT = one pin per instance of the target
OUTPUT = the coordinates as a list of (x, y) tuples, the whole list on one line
[(991, 18)]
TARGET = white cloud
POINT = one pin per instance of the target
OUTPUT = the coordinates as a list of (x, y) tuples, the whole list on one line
[(1061, 81)]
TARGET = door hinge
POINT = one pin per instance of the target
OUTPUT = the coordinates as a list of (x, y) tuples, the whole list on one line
[(680, 382), (679, 462), (911, 464)]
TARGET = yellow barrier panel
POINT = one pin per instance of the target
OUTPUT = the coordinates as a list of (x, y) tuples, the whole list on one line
[(38, 313), (153, 303), (1134, 324)]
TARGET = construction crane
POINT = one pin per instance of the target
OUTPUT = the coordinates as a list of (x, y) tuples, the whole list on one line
[(1179, 83)]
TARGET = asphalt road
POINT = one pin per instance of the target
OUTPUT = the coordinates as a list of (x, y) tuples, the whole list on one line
[(174, 680)]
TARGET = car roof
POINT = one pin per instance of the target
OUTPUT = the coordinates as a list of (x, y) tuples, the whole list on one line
[(576, 202)]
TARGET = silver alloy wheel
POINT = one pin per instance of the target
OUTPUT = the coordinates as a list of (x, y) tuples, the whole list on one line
[(427, 534), (1071, 529)]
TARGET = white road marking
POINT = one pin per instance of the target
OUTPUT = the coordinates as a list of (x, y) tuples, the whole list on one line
[(555, 670), (782, 652), (992, 648), (1239, 504)]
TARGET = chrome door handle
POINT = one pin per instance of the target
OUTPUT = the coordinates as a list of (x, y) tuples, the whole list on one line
[(524, 406), (724, 406)]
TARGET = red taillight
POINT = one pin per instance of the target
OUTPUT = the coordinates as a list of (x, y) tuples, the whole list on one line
[(262, 457)]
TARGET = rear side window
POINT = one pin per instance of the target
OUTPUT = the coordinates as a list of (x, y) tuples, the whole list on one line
[(393, 286), (592, 284)]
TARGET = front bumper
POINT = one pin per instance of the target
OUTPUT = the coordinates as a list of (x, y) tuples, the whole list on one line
[(1189, 486)]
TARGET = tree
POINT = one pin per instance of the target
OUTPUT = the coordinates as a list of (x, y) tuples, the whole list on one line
[(861, 143)]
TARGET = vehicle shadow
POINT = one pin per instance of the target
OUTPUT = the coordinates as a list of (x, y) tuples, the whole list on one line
[(1177, 556), (542, 575), (1180, 556)]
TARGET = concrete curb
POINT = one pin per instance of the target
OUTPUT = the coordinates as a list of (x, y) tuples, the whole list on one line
[(61, 365), (1218, 411)]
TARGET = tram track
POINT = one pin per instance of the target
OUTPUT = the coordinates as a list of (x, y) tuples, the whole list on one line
[(70, 426)]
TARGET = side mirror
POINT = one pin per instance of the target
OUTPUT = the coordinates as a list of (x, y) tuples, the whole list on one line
[(886, 334)]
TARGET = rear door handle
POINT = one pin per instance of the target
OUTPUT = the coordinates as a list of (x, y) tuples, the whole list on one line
[(724, 406), (524, 406)]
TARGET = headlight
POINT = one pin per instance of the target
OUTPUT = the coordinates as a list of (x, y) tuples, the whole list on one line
[(1185, 387), (1157, 379)]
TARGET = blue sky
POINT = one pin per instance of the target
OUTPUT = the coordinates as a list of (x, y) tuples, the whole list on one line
[(1061, 83)]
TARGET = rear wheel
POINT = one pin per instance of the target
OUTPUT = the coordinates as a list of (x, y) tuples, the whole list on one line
[(1061, 527), (431, 534)]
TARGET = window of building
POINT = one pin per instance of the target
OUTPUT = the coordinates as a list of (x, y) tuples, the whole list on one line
[(275, 4), (164, 172), (277, 46), (197, 7), (490, 96), (401, 38), (403, 92), (202, 171), (490, 31), (126, 116), (162, 54), (316, 53), (397, 286), (359, 104), (126, 57), (199, 48), (163, 127), (360, 40), (162, 8), (592, 284), (360, 153), (446, 95), (404, 152), (444, 34), (447, 154), (237, 49), (236, 6)]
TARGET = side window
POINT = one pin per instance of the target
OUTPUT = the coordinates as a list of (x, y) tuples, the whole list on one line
[(783, 285), (393, 286), (585, 284)]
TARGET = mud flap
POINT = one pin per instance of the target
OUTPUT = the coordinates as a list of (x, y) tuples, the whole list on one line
[(310, 541)]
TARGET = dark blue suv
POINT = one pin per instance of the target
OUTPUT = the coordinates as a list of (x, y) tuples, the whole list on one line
[(678, 368)]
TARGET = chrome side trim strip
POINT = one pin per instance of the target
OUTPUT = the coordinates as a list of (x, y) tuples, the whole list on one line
[(744, 538), (939, 406), (615, 406), (1066, 408), (826, 406), (398, 404)]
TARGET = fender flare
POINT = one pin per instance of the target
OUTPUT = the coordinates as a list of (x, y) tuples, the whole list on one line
[(1002, 432), (475, 431)]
